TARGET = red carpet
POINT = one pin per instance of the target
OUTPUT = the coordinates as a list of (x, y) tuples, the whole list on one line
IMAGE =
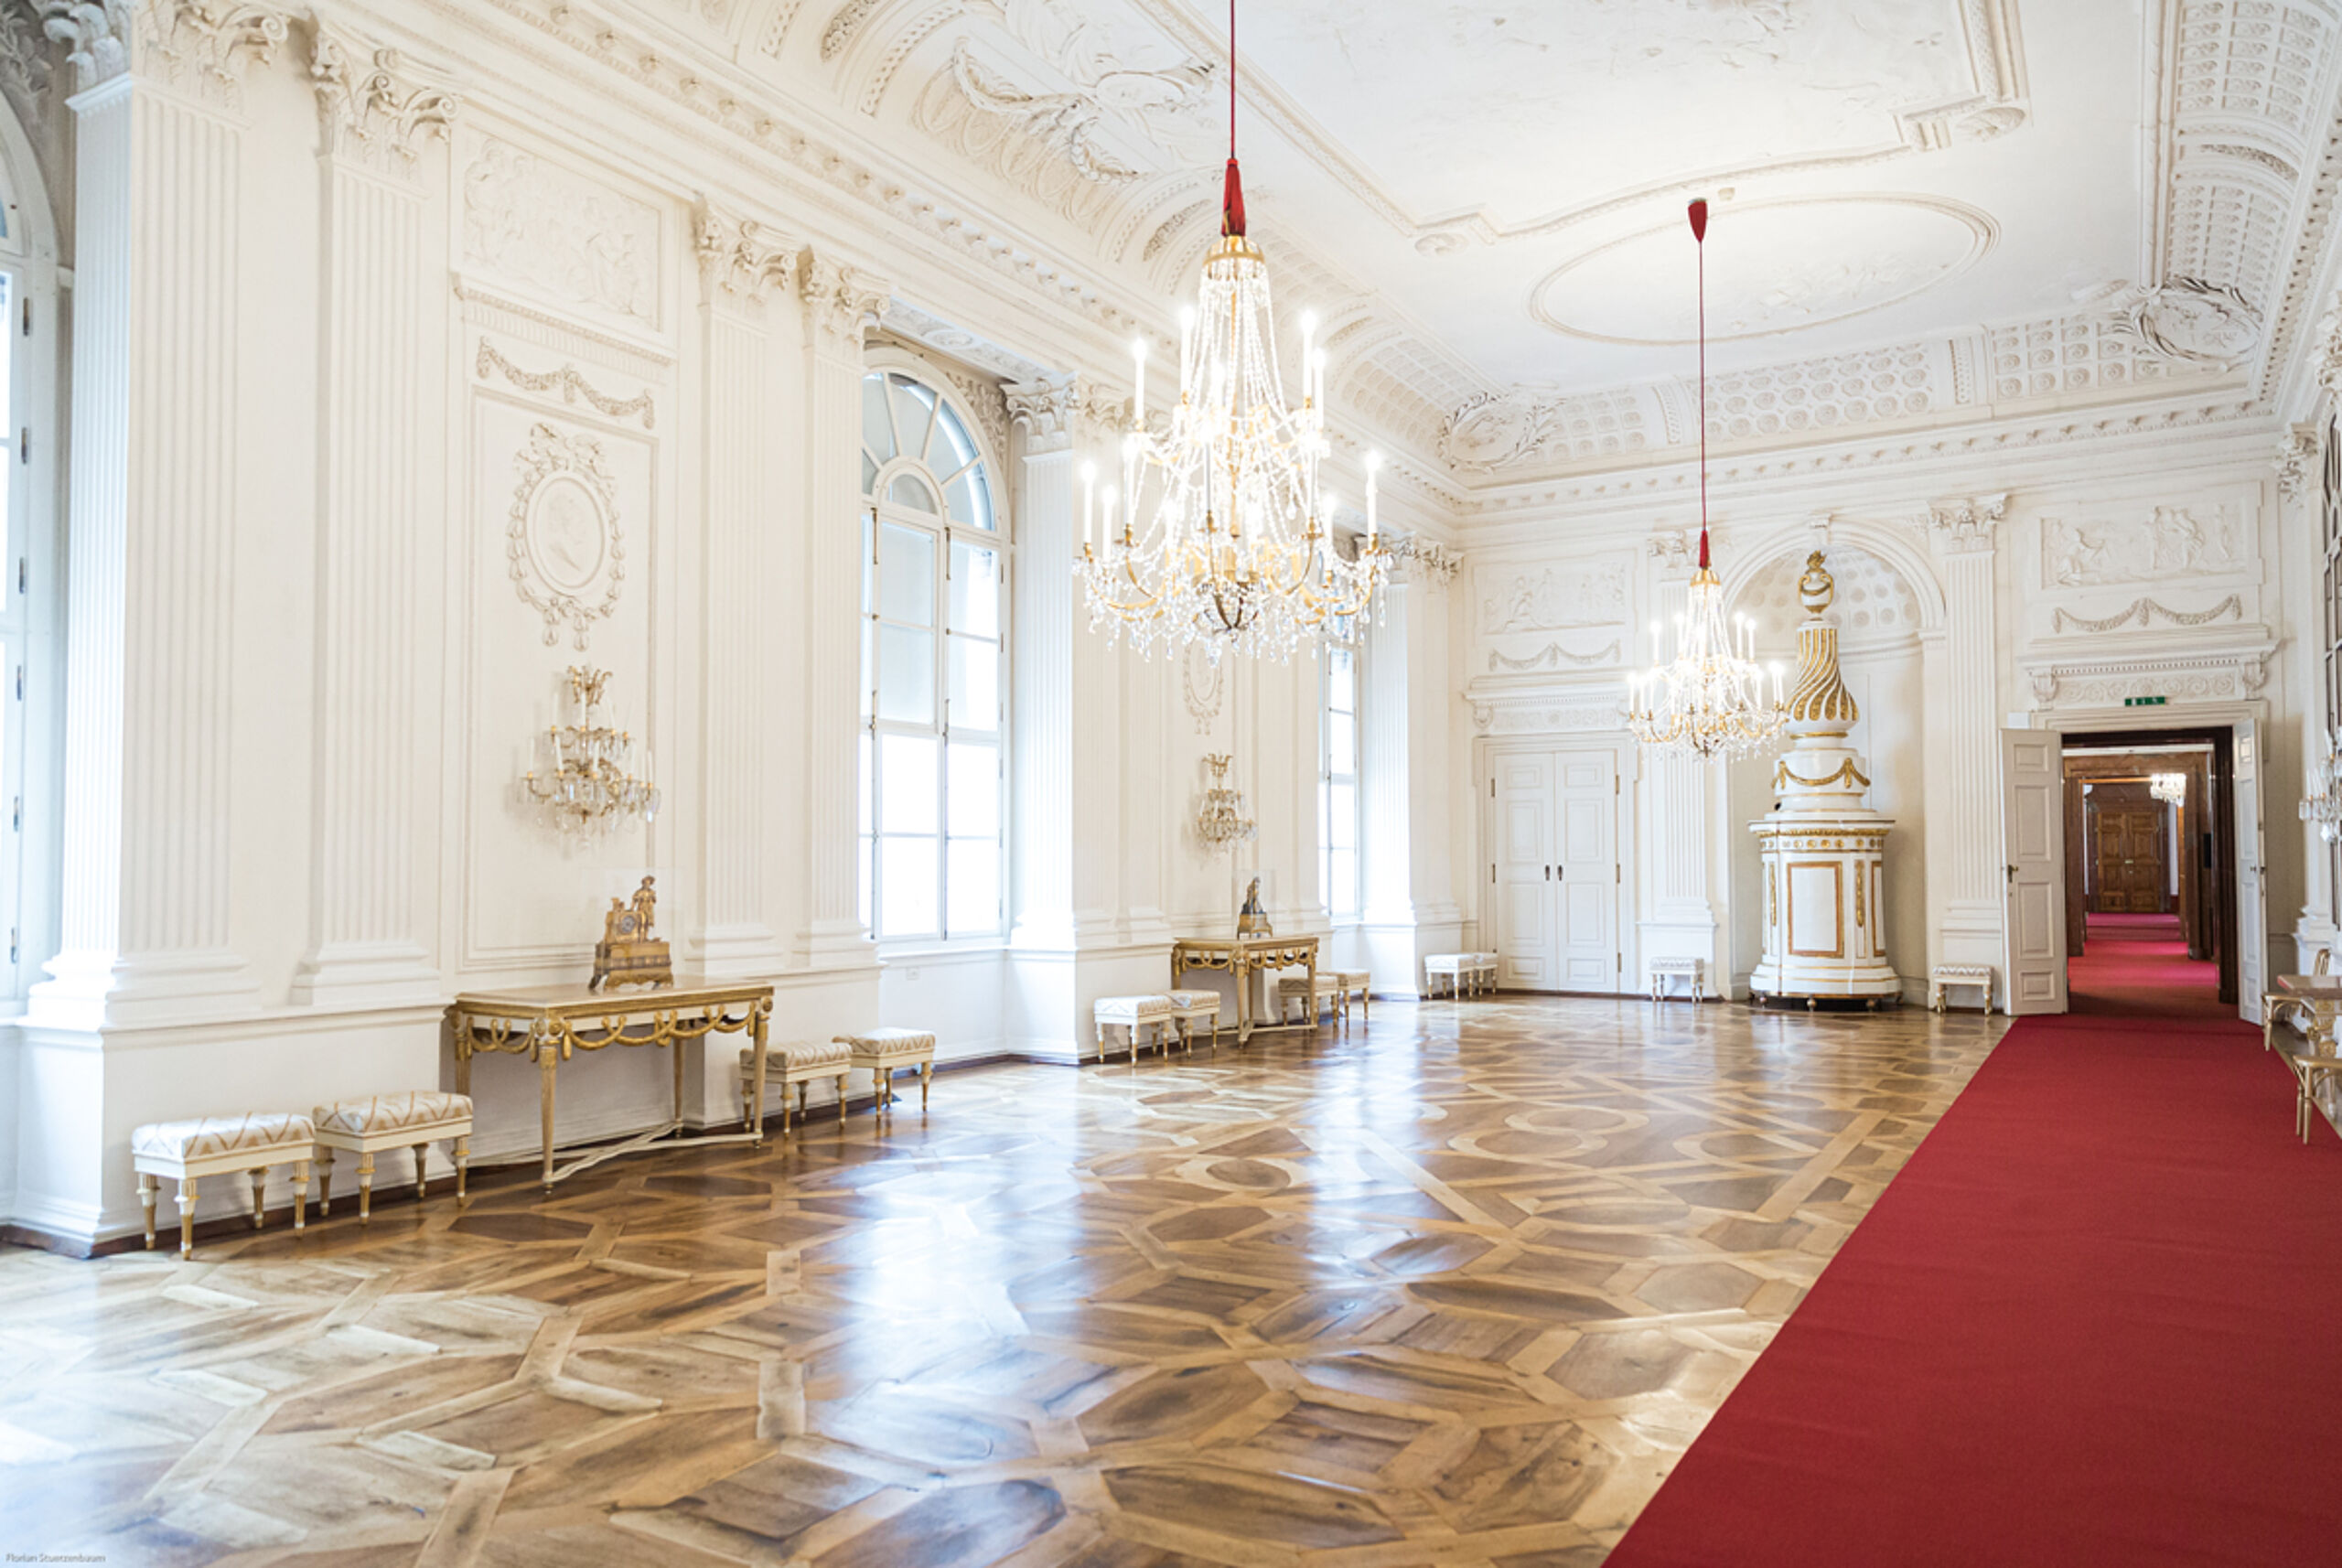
[(2136, 966), (2092, 1323)]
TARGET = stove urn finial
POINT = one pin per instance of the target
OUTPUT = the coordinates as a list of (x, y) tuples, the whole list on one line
[(1823, 848)]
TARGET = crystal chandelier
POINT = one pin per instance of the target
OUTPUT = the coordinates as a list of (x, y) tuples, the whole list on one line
[(1220, 821), (2169, 787), (2323, 804), (1219, 529), (1709, 700), (590, 787)]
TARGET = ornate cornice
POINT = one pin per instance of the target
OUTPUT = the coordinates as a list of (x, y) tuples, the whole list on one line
[(376, 106), (842, 302), (1965, 525), (1046, 408), (742, 259)]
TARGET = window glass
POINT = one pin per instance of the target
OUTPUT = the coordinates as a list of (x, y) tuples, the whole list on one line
[(934, 665), (1337, 790)]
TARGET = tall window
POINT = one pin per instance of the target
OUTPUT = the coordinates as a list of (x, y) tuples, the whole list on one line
[(1337, 803), (2330, 541), (932, 677)]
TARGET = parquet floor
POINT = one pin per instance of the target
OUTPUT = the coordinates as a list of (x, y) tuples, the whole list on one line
[(1452, 1290)]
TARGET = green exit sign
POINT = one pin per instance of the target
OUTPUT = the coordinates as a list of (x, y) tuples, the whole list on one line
[(2145, 702)]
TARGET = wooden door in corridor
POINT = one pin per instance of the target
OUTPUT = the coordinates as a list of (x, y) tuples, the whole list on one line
[(2130, 846)]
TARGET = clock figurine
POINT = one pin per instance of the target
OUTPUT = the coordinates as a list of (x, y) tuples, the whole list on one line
[(627, 953)]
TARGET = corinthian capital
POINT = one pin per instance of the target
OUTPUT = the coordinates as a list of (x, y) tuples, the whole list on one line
[(1966, 523), (376, 105), (1045, 407), (741, 259), (842, 302), (206, 44), (2296, 460), (96, 33)]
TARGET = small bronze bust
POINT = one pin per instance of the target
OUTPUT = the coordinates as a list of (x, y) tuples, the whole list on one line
[(1252, 919), (627, 953)]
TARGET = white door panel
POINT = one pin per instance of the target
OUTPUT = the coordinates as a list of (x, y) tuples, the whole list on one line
[(2033, 836), (1554, 867)]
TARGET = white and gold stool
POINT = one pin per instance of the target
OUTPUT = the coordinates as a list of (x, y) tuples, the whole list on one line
[(1323, 993), (214, 1146), (1664, 971), (1133, 1015), (1354, 982), (1187, 1007), (885, 1052), (1455, 968), (800, 1062), (1483, 973), (415, 1119), (1944, 976)]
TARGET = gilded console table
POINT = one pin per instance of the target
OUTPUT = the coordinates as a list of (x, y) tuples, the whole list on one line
[(547, 1024), (1240, 958)]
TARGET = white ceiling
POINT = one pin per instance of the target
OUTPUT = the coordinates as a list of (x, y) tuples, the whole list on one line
[(1925, 210)]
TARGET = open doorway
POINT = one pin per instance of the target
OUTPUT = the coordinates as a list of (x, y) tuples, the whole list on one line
[(2151, 891)]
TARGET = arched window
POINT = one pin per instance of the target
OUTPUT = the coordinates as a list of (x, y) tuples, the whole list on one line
[(934, 677)]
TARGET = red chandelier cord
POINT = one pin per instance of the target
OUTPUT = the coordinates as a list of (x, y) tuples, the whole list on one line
[(1698, 215), (1232, 195)]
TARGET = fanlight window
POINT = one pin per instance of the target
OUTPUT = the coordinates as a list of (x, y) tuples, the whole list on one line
[(934, 678)]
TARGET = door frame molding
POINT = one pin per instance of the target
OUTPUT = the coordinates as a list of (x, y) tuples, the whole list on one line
[(1625, 758), (2215, 723)]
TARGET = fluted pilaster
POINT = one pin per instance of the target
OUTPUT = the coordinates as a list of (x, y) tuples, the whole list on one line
[(1964, 717), (1045, 606), (379, 118), (742, 263), (840, 304)]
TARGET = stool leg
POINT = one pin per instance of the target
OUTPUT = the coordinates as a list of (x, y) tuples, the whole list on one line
[(842, 1087), (325, 1180), (187, 1217), (260, 1189), (463, 1162), (365, 1185), (146, 1185), (300, 1195), (421, 1150), (926, 1078)]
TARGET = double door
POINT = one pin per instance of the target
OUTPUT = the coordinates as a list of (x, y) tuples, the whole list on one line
[(2132, 869), (1556, 873)]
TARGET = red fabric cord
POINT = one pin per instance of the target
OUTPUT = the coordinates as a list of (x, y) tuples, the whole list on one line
[(1698, 212), (1231, 191), (2083, 1325)]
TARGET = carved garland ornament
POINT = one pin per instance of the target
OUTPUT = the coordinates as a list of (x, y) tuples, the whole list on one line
[(2145, 611), (566, 382), (1847, 774), (1551, 656), (568, 559), (1203, 682)]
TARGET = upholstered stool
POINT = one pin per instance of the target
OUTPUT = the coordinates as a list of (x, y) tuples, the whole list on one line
[(799, 1062), (885, 1052), (1454, 968), (1354, 982), (1133, 1016), (1944, 976), (213, 1146), (1324, 994), (1664, 971), (1187, 1007), (415, 1120)]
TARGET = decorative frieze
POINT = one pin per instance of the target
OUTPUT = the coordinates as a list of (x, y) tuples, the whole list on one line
[(2145, 613), (568, 381), (2231, 673)]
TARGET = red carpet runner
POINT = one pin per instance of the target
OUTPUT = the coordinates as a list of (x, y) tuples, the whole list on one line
[(2092, 1323), (2136, 966)]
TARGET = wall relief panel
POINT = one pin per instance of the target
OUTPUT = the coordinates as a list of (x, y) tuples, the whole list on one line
[(2171, 544), (1516, 599), (558, 236)]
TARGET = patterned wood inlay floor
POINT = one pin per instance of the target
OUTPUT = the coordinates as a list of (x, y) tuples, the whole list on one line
[(1455, 1290)]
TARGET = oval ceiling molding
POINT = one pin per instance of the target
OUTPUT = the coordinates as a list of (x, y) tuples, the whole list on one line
[(1773, 267)]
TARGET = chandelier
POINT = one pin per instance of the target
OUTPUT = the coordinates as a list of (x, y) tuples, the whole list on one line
[(1709, 701), (1220, 821), (2323, 804), (2169, 787), (590, 787), (1219, 529)]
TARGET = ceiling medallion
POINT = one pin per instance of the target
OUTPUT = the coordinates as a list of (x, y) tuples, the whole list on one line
[(1236, 549), (1710, 702)]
